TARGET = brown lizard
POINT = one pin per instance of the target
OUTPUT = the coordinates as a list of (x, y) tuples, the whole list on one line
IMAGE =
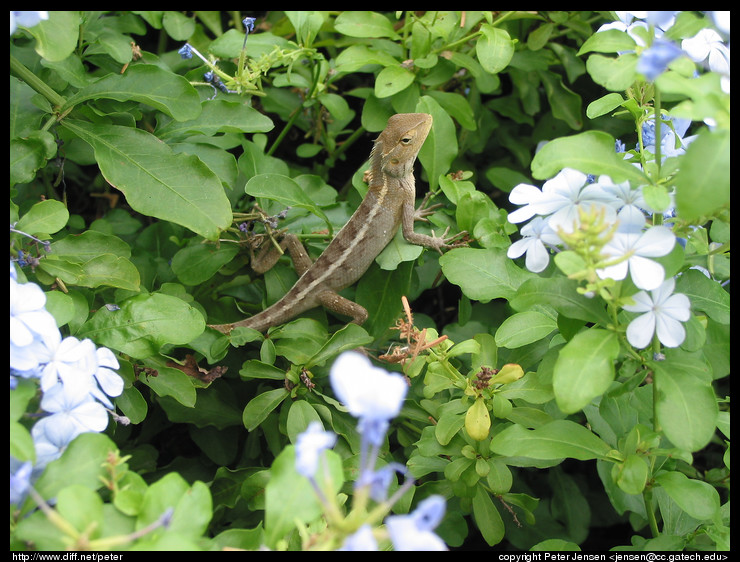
[(388, 205)]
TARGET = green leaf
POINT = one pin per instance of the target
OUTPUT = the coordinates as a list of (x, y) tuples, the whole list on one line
[(156, 181), (306, 23), (82, 462), (300, 414), (56, 38), (45, 217), (260, 407), (192, 505), (685, 403), (483, 274), (349, 337), (631, 475), (566, 105), (143, 324), (197, 263), (177, 25), (147, 84), (703, 181), (615, 74), (255, 369), (391, 80), (29, 154), (287, 191), (364, 24), (699, 499), (290, 498), (440, 147), (555, 440), (524, 327), (705, 294), (494, 48), (591, 152), (559, 293), (584, 369), (604, 105), (487, 517), (608, 41), (218, 116), (380, 293)]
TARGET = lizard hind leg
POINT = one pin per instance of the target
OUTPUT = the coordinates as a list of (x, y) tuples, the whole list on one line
[(269, 255), (339, 304)]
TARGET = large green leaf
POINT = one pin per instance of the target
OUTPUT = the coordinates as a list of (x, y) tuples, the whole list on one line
[(156, 181), (591, 152), (483, 274), (144, 323), (685, 403), (555, 440), (584, 369), (147, 84), (285, 190), (699, 499), (703, 182), (440, 148)]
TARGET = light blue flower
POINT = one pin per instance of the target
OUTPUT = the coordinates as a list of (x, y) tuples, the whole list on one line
[(186, 51), (561, 199), (672, 140), (30, 325), (662, 314), (371, 394), (72, 411), (309, 446), (69, 360), (630, 214), (26, 19), (109, 381), (416, 530), (249, 24), (29, 318), (536, 236), (708, 45), (361, 540), (635, 250), (655, 59), (20, 481)]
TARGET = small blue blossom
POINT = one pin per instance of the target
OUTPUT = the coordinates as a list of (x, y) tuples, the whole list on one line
[(655, 59), (186, 51), (309, 446), (560, 200), (536, 236), (672, 140), (634, 250), (26, 19), (370, 393), (662, 314), (361, 540), (20, 481), (249, 24), (73, 411), (415, 531)]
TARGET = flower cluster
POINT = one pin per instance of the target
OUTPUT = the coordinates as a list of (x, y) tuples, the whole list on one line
[(612, 230), (571, 202), (374, 396), (706, 47), (75, 377)]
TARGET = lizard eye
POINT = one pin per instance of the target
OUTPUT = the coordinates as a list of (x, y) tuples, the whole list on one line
[(406, 140)]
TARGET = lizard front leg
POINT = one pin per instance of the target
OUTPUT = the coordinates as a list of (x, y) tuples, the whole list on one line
[(438, 243)]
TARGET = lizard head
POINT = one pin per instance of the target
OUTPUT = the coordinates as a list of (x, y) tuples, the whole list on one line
[(400, 142)]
